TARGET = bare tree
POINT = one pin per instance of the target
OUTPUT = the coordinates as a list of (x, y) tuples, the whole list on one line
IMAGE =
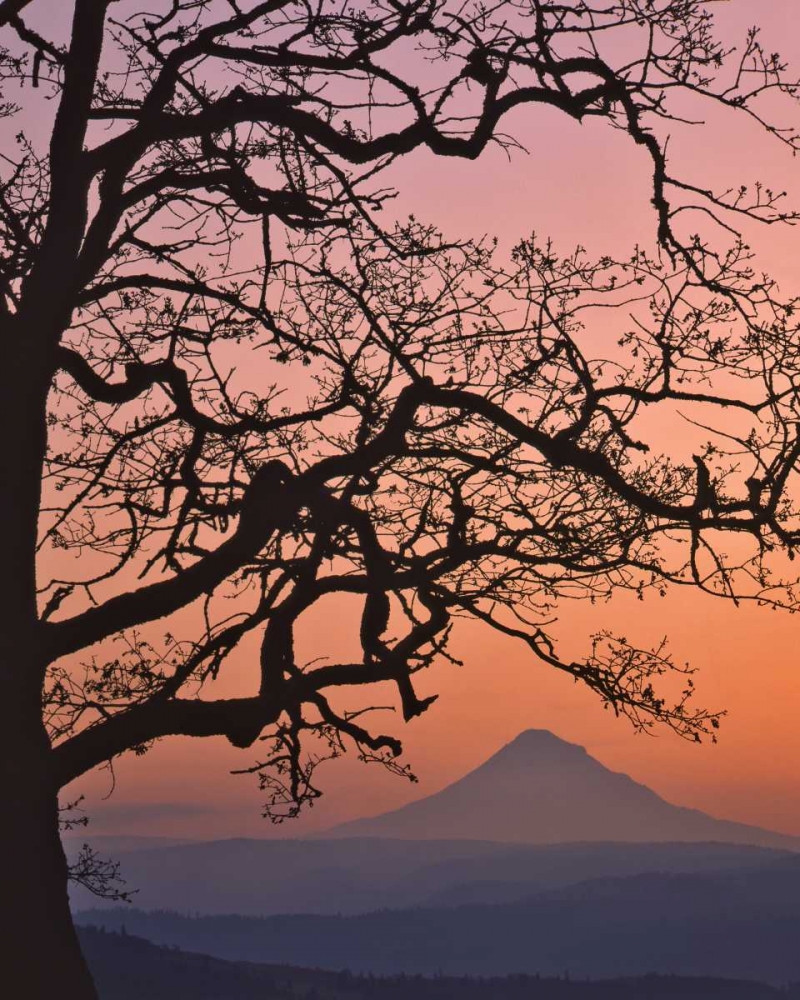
[(225, 377)]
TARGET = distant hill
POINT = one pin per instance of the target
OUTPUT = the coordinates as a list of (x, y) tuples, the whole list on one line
[(259, 877), (117, 844), (540, 789), (129, 968), (742, 924)]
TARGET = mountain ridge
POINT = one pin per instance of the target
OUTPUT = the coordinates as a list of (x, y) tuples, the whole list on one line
[(741, 924), (355, 875)]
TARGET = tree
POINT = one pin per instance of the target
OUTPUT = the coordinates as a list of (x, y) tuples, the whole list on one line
[(225, 377)]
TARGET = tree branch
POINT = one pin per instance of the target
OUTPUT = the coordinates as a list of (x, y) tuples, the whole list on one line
[(268, 503)]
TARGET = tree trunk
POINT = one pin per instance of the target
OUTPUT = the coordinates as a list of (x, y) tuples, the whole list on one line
[(40, 958), (40, 955)]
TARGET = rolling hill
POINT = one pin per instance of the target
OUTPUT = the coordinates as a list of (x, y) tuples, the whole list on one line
[(741, 924), (355, 875)]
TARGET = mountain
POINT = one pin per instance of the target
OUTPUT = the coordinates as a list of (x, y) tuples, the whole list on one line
[(741, 924), (355, 875), (540, 814), (129, 968), (539, 789)]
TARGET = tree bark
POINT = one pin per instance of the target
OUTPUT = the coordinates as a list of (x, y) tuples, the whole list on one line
[(41, 956)]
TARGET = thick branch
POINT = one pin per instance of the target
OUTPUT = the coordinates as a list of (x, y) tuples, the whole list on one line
[(284, 112), (10, 9), (141, 377), (238, 719), (267, 504)]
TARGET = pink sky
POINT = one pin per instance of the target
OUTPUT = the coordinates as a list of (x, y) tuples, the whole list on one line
[(579, 184)]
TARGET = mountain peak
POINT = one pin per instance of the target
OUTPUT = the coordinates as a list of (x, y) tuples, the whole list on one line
[(540, 789), (538, 746)]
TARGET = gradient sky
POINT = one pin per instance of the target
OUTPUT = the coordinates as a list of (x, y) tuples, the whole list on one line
[(588, 185)]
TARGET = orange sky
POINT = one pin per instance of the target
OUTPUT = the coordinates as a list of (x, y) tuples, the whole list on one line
[(578, 184)]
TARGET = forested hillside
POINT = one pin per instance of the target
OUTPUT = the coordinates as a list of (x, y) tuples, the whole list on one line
[(130, 968)]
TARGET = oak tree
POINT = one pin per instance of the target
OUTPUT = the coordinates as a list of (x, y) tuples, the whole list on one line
[(234, 386)]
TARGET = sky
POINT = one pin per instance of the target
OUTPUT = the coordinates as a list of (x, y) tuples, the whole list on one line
[(578, 184)]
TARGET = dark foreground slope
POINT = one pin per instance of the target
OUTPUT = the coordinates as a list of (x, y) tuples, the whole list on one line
[(736, 924), (539, 789), (129, 968)]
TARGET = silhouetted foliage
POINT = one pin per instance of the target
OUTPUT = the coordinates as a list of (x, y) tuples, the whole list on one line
[(88, 869), (234, 389)]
